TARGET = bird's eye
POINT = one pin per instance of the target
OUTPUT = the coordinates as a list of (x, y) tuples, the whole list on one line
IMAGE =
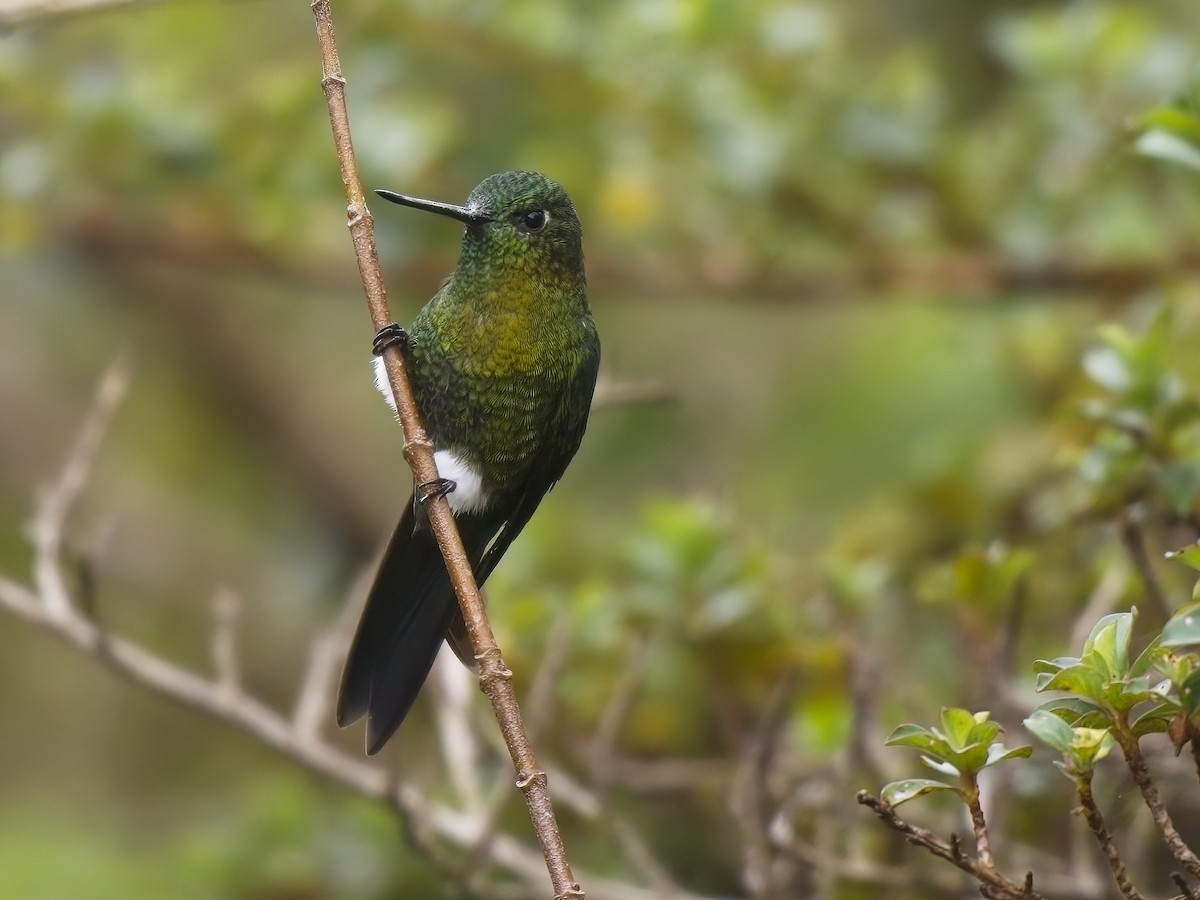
[(531, 220)]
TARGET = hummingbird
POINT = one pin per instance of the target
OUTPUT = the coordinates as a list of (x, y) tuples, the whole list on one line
[(503, 362)]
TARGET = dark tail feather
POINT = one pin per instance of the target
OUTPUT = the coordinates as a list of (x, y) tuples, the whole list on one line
[(409, 609)]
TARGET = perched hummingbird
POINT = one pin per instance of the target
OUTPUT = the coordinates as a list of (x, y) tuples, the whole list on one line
[(503, 362)]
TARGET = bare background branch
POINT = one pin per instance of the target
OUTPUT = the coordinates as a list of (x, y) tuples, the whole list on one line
[(51, 607)]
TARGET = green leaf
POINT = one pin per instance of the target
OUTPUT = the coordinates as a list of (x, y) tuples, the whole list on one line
[(1078, 712), (1122, 696), (997, 754), (1079, 679), (1174, 665), (1080, 747), (1050, 729), (916, 736), (1155, 720), (967, 746), (1053, 666), (943, 766), (1189, 555), (1145, 659), (1090, 745), (983, 733), (1183, 629), (1189, 694), (1103, 650), (1182, 482), (1170, 147), (1109, 639), (1174, 119), (1107, 368), (957, 725), (910, 788)]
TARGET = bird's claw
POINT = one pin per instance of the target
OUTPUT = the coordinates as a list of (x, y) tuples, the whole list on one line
[(389, 334), (431, 490)]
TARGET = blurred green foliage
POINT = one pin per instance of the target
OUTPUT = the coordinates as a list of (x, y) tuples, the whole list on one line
[(920, 276), (829, 130)]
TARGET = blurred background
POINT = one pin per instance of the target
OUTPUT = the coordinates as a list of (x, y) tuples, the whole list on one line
[(882, 276)]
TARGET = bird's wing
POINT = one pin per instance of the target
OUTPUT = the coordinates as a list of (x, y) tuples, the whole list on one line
[(563, 436)]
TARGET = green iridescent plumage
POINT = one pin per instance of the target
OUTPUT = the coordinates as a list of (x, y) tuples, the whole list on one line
[(503, 362)]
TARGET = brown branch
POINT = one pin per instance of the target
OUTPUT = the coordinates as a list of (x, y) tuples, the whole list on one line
[(452, 683), (1134, 542), (861, 870), (539, 703), (24, 12), (627, 393), (49, 524), (983, 844), (592, 805), (602, 747), (1095, 820), (1140, 771), (951, 278), (537, 706), (991, 882), (1103, 599), (226, 612), (310, 709), (764, 869), (494, 677)]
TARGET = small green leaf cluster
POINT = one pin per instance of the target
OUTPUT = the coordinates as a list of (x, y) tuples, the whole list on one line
[(1112, 697), (1147, 441), (1178, 654), (1111, 694), (963, 746), (1106, 685), (1080, 747), (1172, 132)]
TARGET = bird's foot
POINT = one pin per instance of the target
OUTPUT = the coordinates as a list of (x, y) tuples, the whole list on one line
[(389, 334), (431, 490)]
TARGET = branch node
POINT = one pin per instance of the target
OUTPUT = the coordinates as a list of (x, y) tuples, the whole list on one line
[(491, 667), (532, 778), (415, 447)]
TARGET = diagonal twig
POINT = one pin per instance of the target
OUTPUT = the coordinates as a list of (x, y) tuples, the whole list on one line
[(494, 677), (25, 12), (1095, 821), (1134, 541), (991, 882), (49, 523), (1140, 770), (310, 710)]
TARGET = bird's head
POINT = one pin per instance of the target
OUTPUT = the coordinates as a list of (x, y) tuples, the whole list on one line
[(516, 220)]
